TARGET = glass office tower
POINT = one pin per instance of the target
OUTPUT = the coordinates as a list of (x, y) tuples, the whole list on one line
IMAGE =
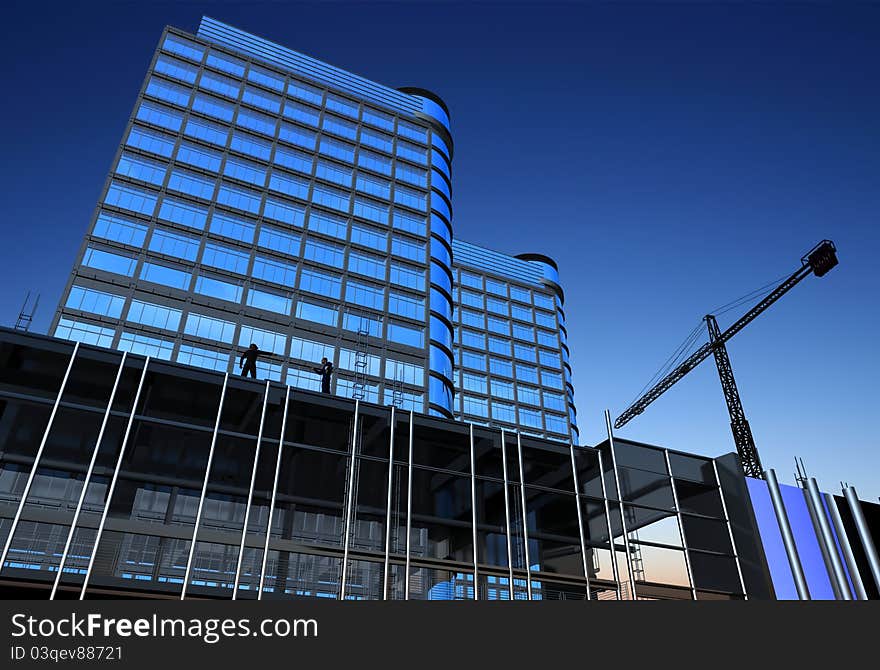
[(511, 356), (262, 196)]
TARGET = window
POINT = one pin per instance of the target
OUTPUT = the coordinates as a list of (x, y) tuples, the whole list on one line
[(365, 295), (403, 275), (502, 389), (472, 280), (376, 140), (366, 264), (183, 47), (551, 379), (549, 359), (407, 373), (165, 90), (523, 332), (293, 159), (496, 305), (239, 198), (262, 99), (202, 157), (405, 400), (168, 276), (498, 366), (496, 325), (159, 115), (203, 358), (412, 175), (279, 240), (406, 248), (266, 340), (304, 379), (302, 113), (146, 346), (175, 68), (503, 412), (321, 283), (238, 168), (209, 328), (266, 78), (340, 127), (498, 345), (544, 301), (528, 395), (153, 141), (319, 313), (309, 350), (547, 339), (473, 382), (191, 183), (375, 162), (341, 105), (406, 305), (211, 106), (226, 63), (183, 212), (255, 121), (217, 83), (470, 338), (473, 319), (94, 301), (328, 224), (524, 352), (530, 417), (87, 333), (412, 131), (520, 312), (269, 301), (334, 172), (521, 294), (369, 237), (301, 137), (526, 373), (377, 118), (348, 359), (476, 406), (109, 262), (231, 226), (411, 223), (157, 316), (554, 401), (305, 92), (556, 424), (337, 149), (130, 197), (469, 359), (174, 244), (274, 271), (250, 145), (410, 198), (331, 197), (119, 229), (371, 210), (289, 184), (362, 323), (225, 258), (406, 334), (283, 211), (207, 131), (545, 320), (380, 188)]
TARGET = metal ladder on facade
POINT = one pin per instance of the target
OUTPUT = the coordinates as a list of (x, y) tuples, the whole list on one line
[(397, 389), (361, 359)]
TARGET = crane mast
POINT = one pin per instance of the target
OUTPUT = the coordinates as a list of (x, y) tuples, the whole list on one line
[(819, 260)]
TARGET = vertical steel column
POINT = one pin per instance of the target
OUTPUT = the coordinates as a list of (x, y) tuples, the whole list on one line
[(687, 558), (274, 493), (522, 493), (247, 509), (629, 569), (388, 509), (614, 569), (37, 457), (826, 538), (855, 508), (348, 503), (791, 551), (134, 407), (192, 546), (507, 515), (409, 505), (840, 529), (87, 480), (742, 581), (577, 501), (474, 511)]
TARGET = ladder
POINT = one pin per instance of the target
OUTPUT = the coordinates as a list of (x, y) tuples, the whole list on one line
[(361, 359)]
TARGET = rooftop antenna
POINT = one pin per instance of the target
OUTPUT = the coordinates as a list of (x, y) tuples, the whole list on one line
[(801, 476), (26, 314)]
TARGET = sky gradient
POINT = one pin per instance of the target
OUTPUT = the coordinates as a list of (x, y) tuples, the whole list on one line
[(669, 157)]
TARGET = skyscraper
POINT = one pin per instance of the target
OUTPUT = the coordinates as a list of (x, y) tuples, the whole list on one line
[(262, 196)]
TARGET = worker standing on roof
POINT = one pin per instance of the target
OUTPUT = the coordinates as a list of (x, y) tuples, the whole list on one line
[(326, 371), (248, 361)]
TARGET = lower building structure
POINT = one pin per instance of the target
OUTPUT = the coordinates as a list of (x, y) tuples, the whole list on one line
[(128, 476)]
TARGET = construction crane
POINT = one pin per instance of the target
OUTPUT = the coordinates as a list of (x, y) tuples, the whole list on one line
[(819, 260)]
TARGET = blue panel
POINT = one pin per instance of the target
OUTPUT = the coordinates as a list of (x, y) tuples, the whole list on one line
[(774, 549), (807, 544)]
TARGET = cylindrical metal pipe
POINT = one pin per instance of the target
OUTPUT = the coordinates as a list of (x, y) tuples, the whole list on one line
[(855, 576), (836, 571), (852, 498), (794, 560)]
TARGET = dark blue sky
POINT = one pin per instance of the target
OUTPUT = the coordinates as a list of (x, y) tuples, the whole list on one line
[(670, 157)]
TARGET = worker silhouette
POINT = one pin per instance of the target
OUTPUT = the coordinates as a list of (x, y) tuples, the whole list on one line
[(326, 371), (248, 361)]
